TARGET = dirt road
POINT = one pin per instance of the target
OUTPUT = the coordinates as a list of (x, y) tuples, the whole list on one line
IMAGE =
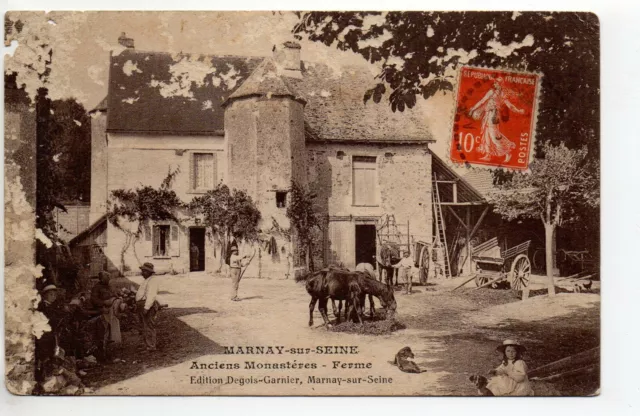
[(442, 330)]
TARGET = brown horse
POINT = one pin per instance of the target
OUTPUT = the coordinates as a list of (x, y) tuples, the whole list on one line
[(322, 285), (339, 285), (389, 254)]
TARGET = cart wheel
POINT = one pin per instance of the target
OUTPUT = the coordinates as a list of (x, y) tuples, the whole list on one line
[(481, 279), (520, 272), (424, 265)]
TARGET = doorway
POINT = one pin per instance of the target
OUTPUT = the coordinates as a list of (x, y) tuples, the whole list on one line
[(365, 244), (196, 249)]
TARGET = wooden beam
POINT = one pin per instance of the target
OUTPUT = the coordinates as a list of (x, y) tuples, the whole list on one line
[(464, 283), (490, 282), (456, 215), (586, 357), (461, 204), (455, 193), (587, 369), (475, 228)]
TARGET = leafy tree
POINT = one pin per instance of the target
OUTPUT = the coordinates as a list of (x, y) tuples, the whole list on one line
[(227, 214), (70, 132), (418, 50), (303, 219), (139, 207), (560, 186)]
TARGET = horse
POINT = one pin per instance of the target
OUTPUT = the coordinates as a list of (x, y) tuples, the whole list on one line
[(389, 254), (323, 285)]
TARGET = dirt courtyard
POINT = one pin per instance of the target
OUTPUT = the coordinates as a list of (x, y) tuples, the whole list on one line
[(453, 335)]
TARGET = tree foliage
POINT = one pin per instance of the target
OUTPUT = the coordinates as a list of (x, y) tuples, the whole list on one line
[(302, 217), (228, 214), (559, 188), (417, 51), (132, 210)]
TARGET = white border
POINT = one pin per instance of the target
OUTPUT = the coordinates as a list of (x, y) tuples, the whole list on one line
[(620, 236)]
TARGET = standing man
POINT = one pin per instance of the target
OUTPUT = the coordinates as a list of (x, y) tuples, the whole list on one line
[(147, 304), (195, 257), (236, 263), (404, 268), (438, 259)]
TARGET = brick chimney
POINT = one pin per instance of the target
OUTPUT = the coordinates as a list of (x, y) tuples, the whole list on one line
[(287, 56), (123, 40)]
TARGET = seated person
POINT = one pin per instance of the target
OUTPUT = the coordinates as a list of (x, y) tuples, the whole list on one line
[(101, 294), (510, 377)]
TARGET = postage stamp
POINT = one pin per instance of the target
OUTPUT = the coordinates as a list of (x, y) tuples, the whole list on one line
[(495, 116)]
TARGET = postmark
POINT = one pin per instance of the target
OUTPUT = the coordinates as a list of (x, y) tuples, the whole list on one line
[(495, 117)]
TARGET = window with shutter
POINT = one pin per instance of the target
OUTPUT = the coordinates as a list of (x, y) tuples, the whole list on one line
[(365, 181), (203, 172), (161, 241), (174, 246)]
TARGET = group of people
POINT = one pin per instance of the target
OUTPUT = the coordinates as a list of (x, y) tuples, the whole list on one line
[(405, 266), (89, 324)]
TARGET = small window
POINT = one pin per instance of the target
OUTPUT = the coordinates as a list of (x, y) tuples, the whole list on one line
[(161, 240), (365, 181), (281, 199), (203, 171)]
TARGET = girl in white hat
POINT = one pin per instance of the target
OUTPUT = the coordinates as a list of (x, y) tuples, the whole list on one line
[(510, 377)]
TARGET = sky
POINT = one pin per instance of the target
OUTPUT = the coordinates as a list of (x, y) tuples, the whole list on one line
[(82, 41)]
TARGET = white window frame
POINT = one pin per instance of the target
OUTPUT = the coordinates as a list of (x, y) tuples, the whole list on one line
[(167, 254), (376, 189), (192, 171)]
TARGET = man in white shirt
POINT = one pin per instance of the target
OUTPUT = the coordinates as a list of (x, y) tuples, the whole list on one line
[(404, 271), (146, 299), (236, 263)]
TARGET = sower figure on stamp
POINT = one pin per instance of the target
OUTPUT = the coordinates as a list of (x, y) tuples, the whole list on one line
[(493, 141), (236, 263), (147, 305)]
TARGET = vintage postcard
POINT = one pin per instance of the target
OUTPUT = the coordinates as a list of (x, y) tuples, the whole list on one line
[(302, 203)]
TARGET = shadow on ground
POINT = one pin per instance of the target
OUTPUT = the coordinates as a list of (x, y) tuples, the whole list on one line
[(177, 343), (472, 350)]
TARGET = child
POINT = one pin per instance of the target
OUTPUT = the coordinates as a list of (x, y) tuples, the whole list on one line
[(405, 266), (510, 378)]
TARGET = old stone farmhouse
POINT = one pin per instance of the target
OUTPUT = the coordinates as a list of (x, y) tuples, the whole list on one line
[(257, 123)]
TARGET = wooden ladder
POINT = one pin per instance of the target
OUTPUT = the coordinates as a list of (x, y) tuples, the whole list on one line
[(441, 234)]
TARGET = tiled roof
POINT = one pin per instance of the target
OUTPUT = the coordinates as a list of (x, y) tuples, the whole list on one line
[(149, 93), (265, 81), (481, 180), (141, 98), (335, 109)]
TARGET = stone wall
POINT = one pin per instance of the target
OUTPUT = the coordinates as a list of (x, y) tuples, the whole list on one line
[(404, 190), (266, 151), (146, 160)]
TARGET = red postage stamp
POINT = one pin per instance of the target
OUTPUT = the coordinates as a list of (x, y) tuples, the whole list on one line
[(494, 123)]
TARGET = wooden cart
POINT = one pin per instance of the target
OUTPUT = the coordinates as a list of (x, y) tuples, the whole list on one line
[(421, 259), (512, 265)]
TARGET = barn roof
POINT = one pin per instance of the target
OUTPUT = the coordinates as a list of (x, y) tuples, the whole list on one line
[(481, 180), (466, 192), (87, 231), (151, 92)]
